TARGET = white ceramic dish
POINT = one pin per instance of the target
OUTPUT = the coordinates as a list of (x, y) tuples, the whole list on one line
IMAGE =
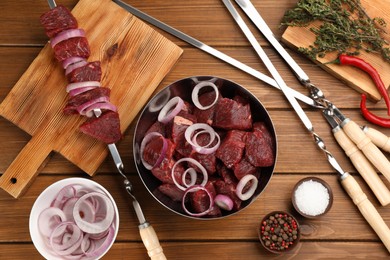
[(43, 201)]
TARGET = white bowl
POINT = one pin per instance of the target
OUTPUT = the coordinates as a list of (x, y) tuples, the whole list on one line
[(43, 201)]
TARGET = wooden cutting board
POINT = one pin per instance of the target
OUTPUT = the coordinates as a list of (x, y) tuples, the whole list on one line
[(302, 37), (134, 58)]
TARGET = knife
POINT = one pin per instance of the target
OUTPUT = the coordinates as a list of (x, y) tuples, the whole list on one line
[(352, 187), (147, 232)]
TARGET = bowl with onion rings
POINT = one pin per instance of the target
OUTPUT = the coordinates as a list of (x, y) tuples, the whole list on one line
[(74, 218), (205, 147)]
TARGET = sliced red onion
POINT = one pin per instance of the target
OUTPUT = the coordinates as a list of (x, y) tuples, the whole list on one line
[(193, 189), (49, 219), (99, 250), (193, 161), (88, 211), (195, 94), (145, 141), (167, 113), (72, 244), (65, 35), (63, 195), (74, 66), (70, 61), (78, 85), (94, 227), (242, 183), (224, 202), (190, 136), (100, 105), (87, 104), (78, 91), (193, 177)]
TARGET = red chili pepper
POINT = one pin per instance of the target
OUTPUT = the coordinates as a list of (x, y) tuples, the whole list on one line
[(384, 122), (361, 64)]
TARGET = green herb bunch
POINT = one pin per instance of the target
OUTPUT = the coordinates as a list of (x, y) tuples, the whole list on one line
[(345, 28)]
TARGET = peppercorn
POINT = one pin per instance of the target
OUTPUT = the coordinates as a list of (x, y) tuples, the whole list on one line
[(279, 231)]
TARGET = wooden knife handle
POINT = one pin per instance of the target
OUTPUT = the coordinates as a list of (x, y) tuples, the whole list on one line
[(373, 154), (368, 210), (25, 167), (378, 138), (151, 242), (363, 166)]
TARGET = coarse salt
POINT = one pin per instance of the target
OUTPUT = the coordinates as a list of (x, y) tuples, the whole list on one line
[(312, 198)]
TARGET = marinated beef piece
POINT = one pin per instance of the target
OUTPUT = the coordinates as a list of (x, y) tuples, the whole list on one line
[(241, 100), (208, 161), (157, 127), (200, 201), (259, 151), (243, 168), (73, 47), (206, 116), (179, 126), (105, 128), (232, 148), (89, 72), (228, 189), (172, 191), (226, 174), (163, 171), (57, 20), (260, 126), (230, 114), (76, 101)]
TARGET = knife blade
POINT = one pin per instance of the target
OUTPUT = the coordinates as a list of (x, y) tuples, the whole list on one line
[(214, 52)]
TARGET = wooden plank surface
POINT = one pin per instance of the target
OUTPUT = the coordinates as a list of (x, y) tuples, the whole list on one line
[(126, 48), (341, 234), (302, 37)]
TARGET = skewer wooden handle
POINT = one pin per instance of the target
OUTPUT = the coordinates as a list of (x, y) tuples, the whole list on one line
[(373, 154), (378, 138), (25, 167), (151, 242), (368, 210), (363, 166)]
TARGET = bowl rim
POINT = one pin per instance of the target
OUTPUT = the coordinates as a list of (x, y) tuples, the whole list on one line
[(205, 77), (43, 201), (325, 184), (294, 245)]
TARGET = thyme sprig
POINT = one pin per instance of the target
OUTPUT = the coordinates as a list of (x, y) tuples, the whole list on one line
[(345, 28)]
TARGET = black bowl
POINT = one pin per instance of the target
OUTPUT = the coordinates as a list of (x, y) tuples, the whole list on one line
[(183, 89)]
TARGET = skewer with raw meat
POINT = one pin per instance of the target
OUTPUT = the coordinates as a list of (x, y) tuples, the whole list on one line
[(71, 48)]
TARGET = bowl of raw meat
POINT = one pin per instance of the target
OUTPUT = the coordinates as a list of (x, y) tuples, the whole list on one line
[(205, 147)]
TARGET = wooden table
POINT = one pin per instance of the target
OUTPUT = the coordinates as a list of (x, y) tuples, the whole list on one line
[(342, 233)]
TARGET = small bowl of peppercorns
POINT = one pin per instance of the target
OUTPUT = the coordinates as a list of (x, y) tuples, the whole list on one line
[(279, 232)]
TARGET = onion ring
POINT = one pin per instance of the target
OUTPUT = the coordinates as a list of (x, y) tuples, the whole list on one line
[(188, 134), (224, 202), (242, 183), (65, 35), (193, 161), (195, 94), (167, 113), (193, 189), (145, 141), (94, 227)]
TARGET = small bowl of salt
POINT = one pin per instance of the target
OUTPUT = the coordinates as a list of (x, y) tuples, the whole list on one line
[(312, 197)]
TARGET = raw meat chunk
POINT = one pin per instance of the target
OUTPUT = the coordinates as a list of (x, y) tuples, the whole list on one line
[(260, 126), (232, 148), (200, 201), (154, 148), (179, 126), (230, 114), (105, 128), (208, 161), (259, 151), (73, 47), (172, 191), (206, 116), (243, 168), (157, 127), (57, 20), (76, 101), (228, 189), (89, 72)]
